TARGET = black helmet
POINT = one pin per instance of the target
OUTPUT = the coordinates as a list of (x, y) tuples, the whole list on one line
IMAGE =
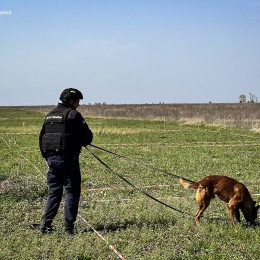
[(70, 93)]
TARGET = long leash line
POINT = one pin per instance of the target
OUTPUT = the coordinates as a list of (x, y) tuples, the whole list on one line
[(22, 156), (135, 187), (110, 246), (144, 163)]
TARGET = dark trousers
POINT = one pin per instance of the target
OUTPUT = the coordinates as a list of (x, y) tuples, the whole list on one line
[(63, 172)]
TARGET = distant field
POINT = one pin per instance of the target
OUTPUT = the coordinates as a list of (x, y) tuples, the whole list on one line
[(135, 225), (245, 115)]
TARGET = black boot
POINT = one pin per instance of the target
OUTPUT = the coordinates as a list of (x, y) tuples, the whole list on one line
[(46, 229), (69, 228)]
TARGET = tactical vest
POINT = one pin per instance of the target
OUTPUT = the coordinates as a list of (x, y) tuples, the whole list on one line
[(56, 139)]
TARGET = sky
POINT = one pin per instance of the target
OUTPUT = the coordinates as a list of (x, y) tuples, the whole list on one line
[(129, 51)]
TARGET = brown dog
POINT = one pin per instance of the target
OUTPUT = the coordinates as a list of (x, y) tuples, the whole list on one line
[(227, 189)]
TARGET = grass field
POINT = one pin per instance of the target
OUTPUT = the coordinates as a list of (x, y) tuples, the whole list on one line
[(135, 225)]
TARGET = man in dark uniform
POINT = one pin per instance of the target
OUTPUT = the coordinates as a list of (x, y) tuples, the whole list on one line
[(63, 134)]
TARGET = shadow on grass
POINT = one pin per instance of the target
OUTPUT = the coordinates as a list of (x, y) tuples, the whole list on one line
[(220, 220), (118, 226)]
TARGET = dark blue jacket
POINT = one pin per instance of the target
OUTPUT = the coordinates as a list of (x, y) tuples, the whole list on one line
[(76, 128)]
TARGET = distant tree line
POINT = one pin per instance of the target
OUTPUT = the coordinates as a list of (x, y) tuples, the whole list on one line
[(252, 98)]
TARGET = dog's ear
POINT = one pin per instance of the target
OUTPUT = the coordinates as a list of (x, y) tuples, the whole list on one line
[(257, 207)]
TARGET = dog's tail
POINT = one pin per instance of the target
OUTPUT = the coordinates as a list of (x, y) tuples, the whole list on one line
[(187, 184)]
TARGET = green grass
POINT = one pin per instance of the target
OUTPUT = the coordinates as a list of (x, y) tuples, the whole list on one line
[(136, 226)]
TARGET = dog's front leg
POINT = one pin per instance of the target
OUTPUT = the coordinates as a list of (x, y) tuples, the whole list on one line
[(237, 214), (234, 210), (231, 210), (234, 213)]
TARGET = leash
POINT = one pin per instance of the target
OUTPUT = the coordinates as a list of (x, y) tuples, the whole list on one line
[(135, 187), (110, 246), (144, 163)]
